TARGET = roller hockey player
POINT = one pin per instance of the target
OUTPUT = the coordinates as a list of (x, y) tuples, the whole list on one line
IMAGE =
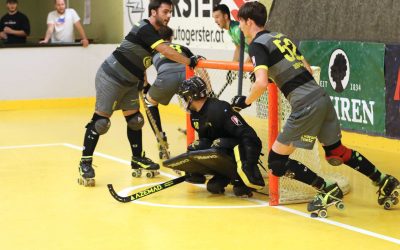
[(219, 127), (313, 115)]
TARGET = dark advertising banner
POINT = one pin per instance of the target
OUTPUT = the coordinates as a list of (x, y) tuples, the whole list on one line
[(352, 73), (392, 76)]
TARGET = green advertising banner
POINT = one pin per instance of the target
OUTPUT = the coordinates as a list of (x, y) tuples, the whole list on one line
[(352, 73)]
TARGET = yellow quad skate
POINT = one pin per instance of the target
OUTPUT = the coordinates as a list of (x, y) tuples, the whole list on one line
[(388, 192), (331, 195), (86, 172), (144, 165)]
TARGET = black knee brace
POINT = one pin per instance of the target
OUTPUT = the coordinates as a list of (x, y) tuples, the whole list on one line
[(277, 163), (135, 121), (99, 124)]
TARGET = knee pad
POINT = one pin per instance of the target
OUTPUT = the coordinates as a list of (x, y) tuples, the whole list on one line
[(337, 154), (100, 124), (277, 163), (135, 122)]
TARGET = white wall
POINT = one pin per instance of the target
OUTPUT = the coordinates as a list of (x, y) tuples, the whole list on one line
[(61, 72)]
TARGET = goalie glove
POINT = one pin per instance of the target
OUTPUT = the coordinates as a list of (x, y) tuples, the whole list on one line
[(238, 103)]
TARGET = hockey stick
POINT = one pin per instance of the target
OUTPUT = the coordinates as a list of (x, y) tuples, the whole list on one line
[(146, 192), (163, 143)]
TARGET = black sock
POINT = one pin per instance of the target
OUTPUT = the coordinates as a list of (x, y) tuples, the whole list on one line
[(364, 166), (302, 173), (135, 141), (91, 137)]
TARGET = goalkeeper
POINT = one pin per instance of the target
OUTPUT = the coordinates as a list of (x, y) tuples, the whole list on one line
[(218, 126)]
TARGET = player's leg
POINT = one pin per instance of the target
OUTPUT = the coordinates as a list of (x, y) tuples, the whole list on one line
[(336, 154), (301, 131), (106, 94), (135, 122)]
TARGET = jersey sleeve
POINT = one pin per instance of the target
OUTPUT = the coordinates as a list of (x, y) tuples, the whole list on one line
[(26, 25), (50, 18), (149, 36), (259, 56), (1, 25)]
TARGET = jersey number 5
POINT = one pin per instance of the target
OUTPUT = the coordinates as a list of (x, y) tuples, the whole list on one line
[(288, 49)]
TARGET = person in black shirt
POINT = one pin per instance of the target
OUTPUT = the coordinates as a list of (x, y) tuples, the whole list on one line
[(219, 126), (14, 26)]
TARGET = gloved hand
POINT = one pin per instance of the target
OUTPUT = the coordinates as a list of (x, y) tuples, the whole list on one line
[(146, 88), (238, 103), (202, 143), (194, 60)]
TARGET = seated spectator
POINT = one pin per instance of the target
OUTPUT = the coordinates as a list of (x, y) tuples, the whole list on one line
[(60, 25), (14, 26)]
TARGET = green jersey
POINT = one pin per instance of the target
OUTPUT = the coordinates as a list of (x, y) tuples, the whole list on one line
[(234, 32)]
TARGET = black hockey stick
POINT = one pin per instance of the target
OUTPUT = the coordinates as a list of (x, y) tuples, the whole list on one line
[(146, 192)]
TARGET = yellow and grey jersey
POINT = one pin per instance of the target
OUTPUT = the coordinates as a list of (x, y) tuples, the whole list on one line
[(165, 65), (130, 60), (279, 55)]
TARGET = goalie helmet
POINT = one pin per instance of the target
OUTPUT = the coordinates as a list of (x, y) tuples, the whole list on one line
[(193, 88)]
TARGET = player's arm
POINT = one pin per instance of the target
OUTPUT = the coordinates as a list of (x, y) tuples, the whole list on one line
[(307, 66), (11, 31), (49, 31), (172, 54), (236, 53)]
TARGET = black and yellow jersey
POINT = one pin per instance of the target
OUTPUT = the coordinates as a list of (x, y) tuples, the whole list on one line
[(130, 60), (279, 55), (165, 65)]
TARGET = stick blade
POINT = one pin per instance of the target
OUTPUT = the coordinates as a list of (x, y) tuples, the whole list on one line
[(116, 196)]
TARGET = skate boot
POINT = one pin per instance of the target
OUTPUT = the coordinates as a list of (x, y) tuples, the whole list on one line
[(163, 149), (144, 164), (388, 192), (240, 189), (217, 184), (86, 172), (330, 195)]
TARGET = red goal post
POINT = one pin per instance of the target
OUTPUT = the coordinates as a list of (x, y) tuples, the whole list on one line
[(273, 122)]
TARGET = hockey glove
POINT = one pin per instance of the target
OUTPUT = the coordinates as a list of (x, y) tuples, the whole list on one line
[(202, 143), (238, 103), (194, 60), (146, 88)]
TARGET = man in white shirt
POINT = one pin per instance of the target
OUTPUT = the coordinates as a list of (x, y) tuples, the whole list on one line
[(60, 25)]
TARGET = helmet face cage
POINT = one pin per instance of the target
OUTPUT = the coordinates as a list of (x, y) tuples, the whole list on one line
[(193, 89)]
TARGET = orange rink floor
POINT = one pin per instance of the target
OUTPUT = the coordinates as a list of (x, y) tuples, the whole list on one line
[(43, 207)]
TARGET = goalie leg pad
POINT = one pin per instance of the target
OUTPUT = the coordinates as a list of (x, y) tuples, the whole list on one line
[(337, 154), (277, 163), (135, 121), (248, 169)]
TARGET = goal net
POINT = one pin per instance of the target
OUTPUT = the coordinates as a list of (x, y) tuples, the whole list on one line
[(264, 115)]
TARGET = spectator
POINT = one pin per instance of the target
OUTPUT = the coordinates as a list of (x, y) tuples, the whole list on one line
[(60, 25), (14, 26)]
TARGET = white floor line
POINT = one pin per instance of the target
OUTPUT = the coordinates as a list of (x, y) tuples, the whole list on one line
[(263, 203)]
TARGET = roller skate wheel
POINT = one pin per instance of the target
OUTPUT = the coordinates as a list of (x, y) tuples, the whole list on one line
[(91, 183), (395, 193), (149, 174), (80, 181), (323, 213), (136, 173), (395, 201), (340, 205), (314, 215), (387, 205)]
